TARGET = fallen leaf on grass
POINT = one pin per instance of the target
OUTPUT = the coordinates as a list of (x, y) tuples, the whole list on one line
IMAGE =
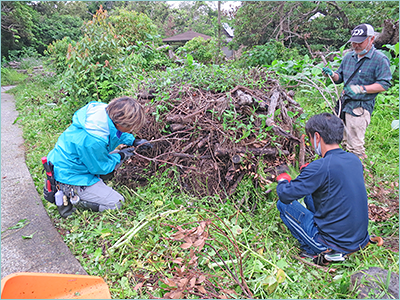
[(173, 295), (183, 282), (138, 286), (280, 276), (169, 282), (178, 261), (201, 279), (178, 235), (192, 282), (186, 245), (201, 289)]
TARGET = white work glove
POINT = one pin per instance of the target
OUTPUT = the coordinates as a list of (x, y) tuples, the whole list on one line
[(357, 89)]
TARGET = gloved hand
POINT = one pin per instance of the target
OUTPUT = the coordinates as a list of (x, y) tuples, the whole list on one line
[(303, 166), (284, 176), (357, 89), (349, 92), (126, 153), (142, 144), (327, 72)]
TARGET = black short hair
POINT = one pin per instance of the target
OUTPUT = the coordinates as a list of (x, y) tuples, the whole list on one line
[(328, 126)]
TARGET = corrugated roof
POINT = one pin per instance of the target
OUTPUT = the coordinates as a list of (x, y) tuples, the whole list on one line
[(228, 29), (186, 36)]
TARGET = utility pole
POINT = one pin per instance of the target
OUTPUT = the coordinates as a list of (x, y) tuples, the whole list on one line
[(219, 32)]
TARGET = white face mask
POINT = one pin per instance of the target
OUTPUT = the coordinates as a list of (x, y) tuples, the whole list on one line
[(317, 149)]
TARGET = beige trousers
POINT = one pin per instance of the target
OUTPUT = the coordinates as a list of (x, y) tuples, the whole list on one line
[(354, 132)]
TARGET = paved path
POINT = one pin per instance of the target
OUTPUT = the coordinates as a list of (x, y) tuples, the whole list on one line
[(46, 251)]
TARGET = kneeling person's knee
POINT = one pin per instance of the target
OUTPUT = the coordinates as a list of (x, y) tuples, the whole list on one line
[(115, 205)]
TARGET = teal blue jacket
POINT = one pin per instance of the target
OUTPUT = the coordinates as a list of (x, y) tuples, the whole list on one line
[(81, 153)]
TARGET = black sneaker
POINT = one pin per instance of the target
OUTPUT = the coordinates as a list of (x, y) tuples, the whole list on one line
[(304, 254), (320, 260)]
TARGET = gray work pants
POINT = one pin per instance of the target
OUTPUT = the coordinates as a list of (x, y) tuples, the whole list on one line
[(102, 194)]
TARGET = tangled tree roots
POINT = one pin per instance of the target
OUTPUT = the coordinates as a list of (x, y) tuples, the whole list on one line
[(215, 139)]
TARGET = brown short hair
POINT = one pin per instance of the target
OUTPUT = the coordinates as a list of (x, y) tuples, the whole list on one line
[(126, 112)]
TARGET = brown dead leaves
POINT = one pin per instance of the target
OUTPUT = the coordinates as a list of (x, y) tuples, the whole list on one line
[(195, 237), (182, 286), (186, 278), (378, 213)]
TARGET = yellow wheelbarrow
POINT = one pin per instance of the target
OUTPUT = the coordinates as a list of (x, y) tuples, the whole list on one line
[(26, 285)]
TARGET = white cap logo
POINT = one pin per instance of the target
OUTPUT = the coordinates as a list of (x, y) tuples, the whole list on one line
[(358, 32)]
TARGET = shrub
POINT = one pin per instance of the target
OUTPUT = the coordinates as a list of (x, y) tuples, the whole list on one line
[(57, 54), (103, 63), (262, 55), (92, 62), (200, 49), (134, 27)]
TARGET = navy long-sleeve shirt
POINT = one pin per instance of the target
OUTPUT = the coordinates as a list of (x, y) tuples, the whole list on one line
[(336, 183)]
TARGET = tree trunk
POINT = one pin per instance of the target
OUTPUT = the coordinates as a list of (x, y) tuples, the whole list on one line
[(389, 34)]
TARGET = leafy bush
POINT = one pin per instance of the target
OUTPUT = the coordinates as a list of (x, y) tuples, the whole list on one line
[(53, 27), (200, 49), (148, 58), (26, 52), (216, 78), (104, 63), (261, 55), (134, 26), (28, 57), (57, 53), (393, 55), (94, 61)]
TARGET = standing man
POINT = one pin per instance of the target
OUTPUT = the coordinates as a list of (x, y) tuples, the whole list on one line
[(334, 222), (373, 77)]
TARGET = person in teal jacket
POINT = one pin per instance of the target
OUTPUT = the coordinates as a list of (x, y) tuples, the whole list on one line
[(85, 152)]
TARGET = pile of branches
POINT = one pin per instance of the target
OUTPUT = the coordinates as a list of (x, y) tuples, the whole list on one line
[(215, 139)]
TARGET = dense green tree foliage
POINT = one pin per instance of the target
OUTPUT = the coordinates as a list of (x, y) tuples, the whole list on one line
[(55, 27), (111, 52), (307, 25), (16, 26), (34, 25), (199, 17), (134, 26)]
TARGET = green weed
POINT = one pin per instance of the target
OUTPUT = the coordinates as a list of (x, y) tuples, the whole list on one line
[(11, 76)]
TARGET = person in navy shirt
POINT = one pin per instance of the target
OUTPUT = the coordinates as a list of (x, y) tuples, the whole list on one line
[(334, 220)]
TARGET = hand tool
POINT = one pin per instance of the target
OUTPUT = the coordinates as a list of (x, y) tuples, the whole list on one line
[(49, 173)]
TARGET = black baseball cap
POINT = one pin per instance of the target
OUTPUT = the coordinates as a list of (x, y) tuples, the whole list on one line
[(361, 32)]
